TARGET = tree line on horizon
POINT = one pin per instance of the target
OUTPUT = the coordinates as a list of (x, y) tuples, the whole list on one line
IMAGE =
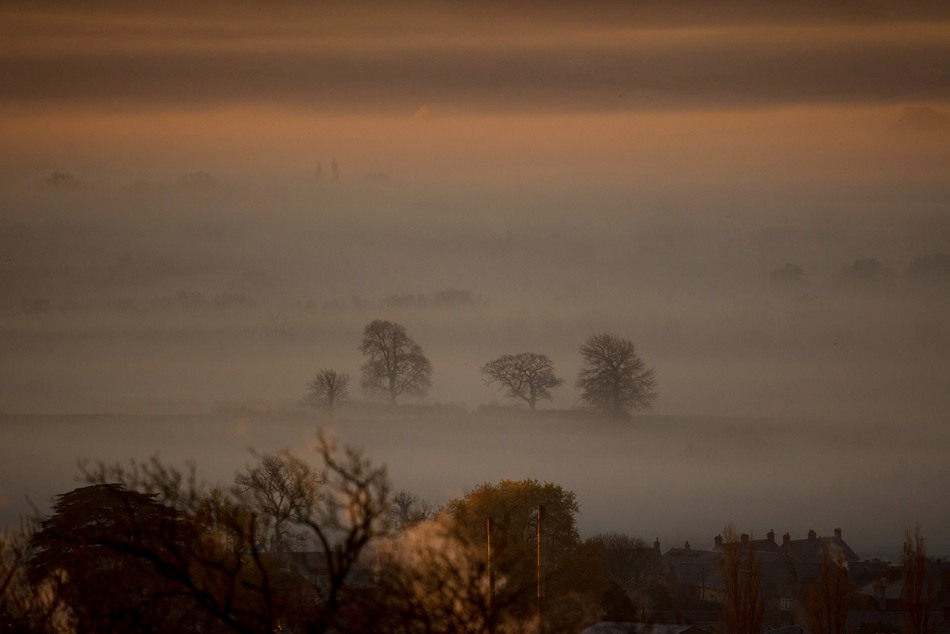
[(613, 378)]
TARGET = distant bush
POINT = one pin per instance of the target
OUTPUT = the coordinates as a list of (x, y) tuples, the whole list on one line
[(195, 300), (198, 180), (233, 301), (62, 180), (454, 297), (866, 272), (933, 269), (406, 301), (788, 275)]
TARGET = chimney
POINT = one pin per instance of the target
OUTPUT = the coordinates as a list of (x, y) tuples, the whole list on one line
[(771, 535), (838, 533), (718, 542), (786, 539), (812, 535), (686, 545), (656, 544)]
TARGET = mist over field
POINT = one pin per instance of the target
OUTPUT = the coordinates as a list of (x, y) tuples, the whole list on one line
[(198, 211), (191, 295)]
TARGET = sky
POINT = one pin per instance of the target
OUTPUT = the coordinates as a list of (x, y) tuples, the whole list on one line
[(173, 237), (480, 92)]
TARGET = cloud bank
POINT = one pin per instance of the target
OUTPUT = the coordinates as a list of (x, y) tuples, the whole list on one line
[(375, 59)]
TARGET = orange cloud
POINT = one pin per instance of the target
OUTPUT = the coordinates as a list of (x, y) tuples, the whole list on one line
[(366, 59)]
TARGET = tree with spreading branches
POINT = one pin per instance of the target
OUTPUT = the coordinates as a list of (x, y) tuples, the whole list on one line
[(204, 552), (327, 389), (614, 378), (395, 364), (528, 376), (279, 488)]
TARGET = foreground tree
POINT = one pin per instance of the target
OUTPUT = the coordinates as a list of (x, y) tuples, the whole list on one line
[(512, 507), (742, 607), (81, 552), (26, 606), (279, 489), (211, 554), (629, 562), (431, 579), (919, 590), (513, 504), (327, 389), (829, 598), (395, 364), (527, 376), (613, 377)]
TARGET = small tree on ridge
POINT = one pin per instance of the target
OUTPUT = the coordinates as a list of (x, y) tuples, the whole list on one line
[(327, 389), (527, 376)]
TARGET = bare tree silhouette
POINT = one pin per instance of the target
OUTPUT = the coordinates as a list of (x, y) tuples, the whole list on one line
[(614, 378), (528, 376), (395, 364), (279, 488), (828, 600), (919, 590), (327, 389), (742, 607)]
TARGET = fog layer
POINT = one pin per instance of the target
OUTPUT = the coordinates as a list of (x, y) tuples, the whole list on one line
[(200, 206)]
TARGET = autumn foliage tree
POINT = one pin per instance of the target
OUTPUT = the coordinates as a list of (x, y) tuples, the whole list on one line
[(527, 376), (432, 579), (513, 508)]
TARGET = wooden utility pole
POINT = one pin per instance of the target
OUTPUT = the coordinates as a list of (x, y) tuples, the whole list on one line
[(491, 571), (540, 565)]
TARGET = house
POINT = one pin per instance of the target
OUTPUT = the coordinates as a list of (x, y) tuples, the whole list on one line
[(785, 570), (692, 573), (807, 555)]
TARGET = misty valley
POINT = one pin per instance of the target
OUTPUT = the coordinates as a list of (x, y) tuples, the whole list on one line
[(475, 317), (789, 386)]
